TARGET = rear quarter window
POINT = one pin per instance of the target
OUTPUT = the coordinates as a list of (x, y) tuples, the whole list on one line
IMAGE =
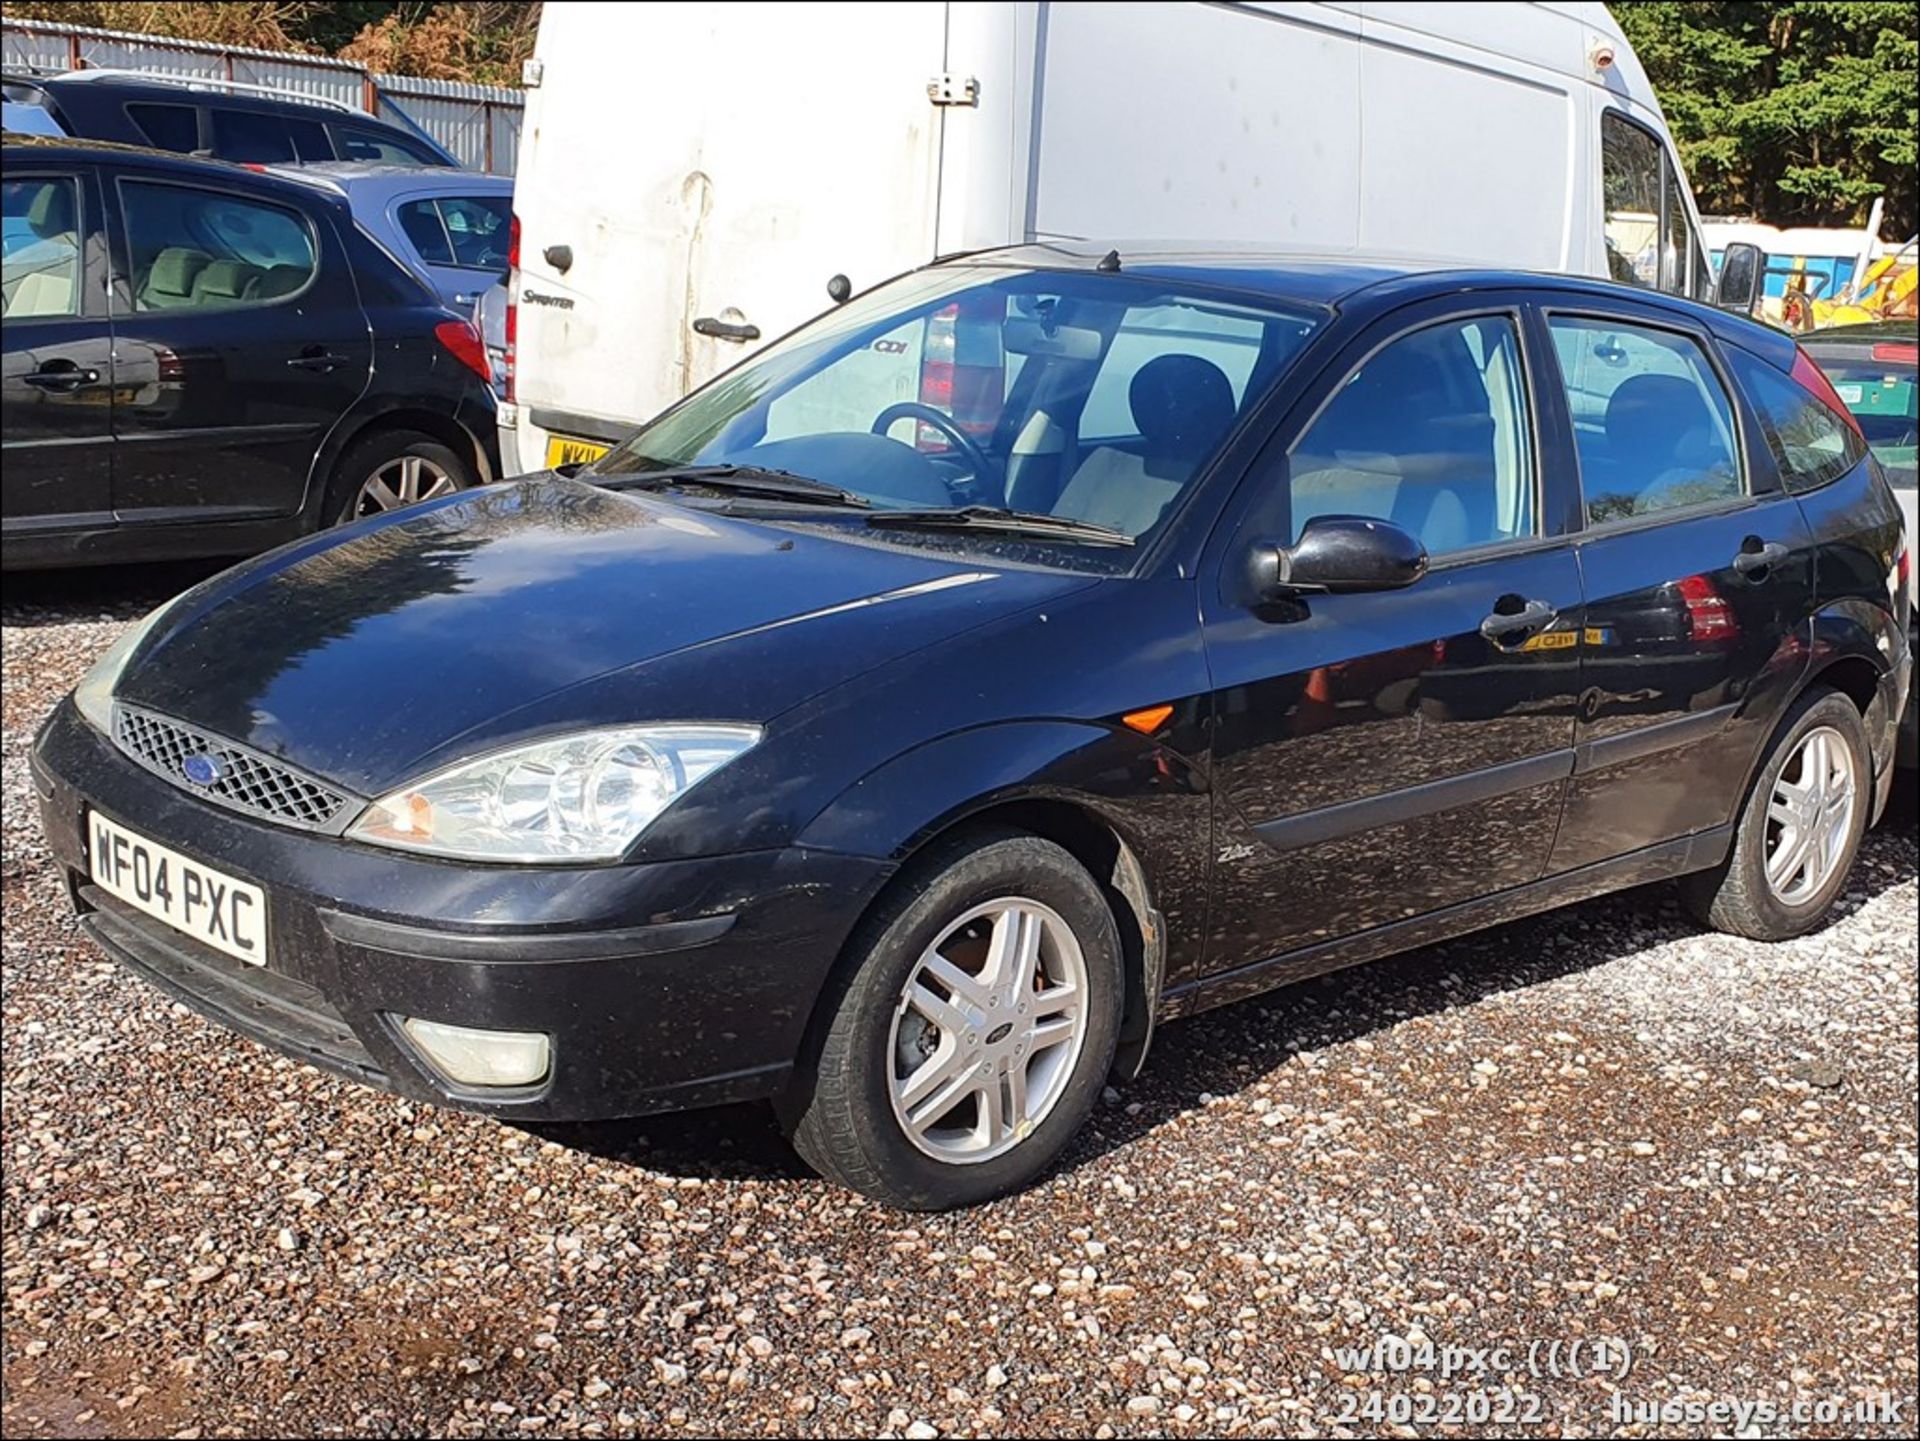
[(1809, 443)]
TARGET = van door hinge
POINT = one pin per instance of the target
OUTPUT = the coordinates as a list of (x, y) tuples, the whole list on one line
[(946, 88), (532, 71)]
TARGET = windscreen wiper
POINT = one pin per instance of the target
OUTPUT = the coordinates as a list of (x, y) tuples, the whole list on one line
[(1004, 521), (753, 480)]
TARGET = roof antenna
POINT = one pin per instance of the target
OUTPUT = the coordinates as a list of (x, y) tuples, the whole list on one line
[(1109, 263)]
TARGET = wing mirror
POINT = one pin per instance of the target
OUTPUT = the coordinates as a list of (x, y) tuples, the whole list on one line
[(1743, 269), (1338, 553)]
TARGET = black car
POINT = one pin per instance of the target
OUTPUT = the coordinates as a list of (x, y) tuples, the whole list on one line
[(222, 122), (201, 360), (1041, 646), (1875, 370)]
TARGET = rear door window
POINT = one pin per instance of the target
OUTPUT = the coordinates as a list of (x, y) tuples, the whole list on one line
[(250, 137), (1652, 423), (169, 127), (197, 249), (420, 223), (360, 142), (477, 227), (468, 231)]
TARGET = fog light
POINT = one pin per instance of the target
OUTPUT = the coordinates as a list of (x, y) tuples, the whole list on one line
[(471, 1057)]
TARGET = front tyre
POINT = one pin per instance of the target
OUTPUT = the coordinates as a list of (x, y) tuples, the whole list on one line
[(1800, 829), (974, 1033)]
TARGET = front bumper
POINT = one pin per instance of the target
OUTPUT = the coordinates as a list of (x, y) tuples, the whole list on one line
[(661, 986)]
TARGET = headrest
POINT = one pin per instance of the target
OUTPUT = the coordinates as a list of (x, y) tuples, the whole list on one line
[(228, 280), (1181, 403), (51, 213), (175, 269)]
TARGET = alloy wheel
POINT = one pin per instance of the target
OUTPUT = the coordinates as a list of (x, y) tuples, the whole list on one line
[(987, 1031), (404, 480), (1810, 816)]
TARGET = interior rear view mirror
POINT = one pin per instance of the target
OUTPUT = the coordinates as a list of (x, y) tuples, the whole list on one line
[(1021, 336), (1742, 267), (1339, 553)]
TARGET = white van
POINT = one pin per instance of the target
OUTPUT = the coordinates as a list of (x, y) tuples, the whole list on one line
[(692, 177)]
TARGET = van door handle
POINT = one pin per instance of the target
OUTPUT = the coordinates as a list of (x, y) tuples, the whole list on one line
[(726, 330), (60, 376), (314, 358), (1756, 561), (1506, 625)]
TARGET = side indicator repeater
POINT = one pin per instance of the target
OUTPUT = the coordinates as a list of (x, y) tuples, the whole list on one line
[(1147, 721)]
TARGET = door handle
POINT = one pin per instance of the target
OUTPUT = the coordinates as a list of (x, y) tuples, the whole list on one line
[(61, 378), (314, 358), (1506, 625), (726, 329), (1755, 559)]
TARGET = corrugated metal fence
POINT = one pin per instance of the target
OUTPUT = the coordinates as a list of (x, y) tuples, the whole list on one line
[(480, 124)]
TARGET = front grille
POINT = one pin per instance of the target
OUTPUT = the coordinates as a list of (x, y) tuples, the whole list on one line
[(243, 780)]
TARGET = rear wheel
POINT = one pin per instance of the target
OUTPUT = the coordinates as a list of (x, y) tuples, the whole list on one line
[(1800, 829), (393, 469), (974, 1034)]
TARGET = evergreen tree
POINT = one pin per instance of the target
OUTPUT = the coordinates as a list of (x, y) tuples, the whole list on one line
[(1794, 113)]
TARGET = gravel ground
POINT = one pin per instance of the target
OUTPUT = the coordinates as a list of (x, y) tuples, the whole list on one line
[(1600, 1123)]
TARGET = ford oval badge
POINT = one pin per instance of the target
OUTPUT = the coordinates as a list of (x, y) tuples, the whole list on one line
[(203, 769)]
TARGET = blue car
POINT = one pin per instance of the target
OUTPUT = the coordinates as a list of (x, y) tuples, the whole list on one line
[(900, 732), (449, 225)]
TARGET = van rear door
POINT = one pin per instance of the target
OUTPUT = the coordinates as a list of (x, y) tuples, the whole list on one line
[(668, 229)]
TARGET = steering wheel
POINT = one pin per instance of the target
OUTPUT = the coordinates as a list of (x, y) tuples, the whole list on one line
[(984, 471)]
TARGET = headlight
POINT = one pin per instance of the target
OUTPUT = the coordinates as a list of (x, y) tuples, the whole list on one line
[(94, 694), (583, 797)]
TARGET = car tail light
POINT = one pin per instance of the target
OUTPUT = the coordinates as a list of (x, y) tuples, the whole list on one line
[(1709, 617), (1901, 354), (464, 344), (1900, 578), (512, 327), (954, 379), (1814, 380)]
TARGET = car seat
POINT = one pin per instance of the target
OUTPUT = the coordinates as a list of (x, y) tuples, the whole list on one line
[(1661, 435), (171, 277), (227, 282), (1182, 406), (48, 288)]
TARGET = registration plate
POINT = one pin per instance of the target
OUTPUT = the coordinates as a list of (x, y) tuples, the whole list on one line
[(565, 450), (211, 906)]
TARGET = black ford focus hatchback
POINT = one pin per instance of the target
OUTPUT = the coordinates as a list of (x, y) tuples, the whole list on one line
[(1036, 648)]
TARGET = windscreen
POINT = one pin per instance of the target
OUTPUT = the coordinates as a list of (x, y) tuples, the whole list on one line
[(1091, 396)]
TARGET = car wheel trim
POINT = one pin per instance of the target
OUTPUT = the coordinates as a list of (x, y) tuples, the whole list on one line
[(404, 480), (1810, 816), (987, 1031)]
